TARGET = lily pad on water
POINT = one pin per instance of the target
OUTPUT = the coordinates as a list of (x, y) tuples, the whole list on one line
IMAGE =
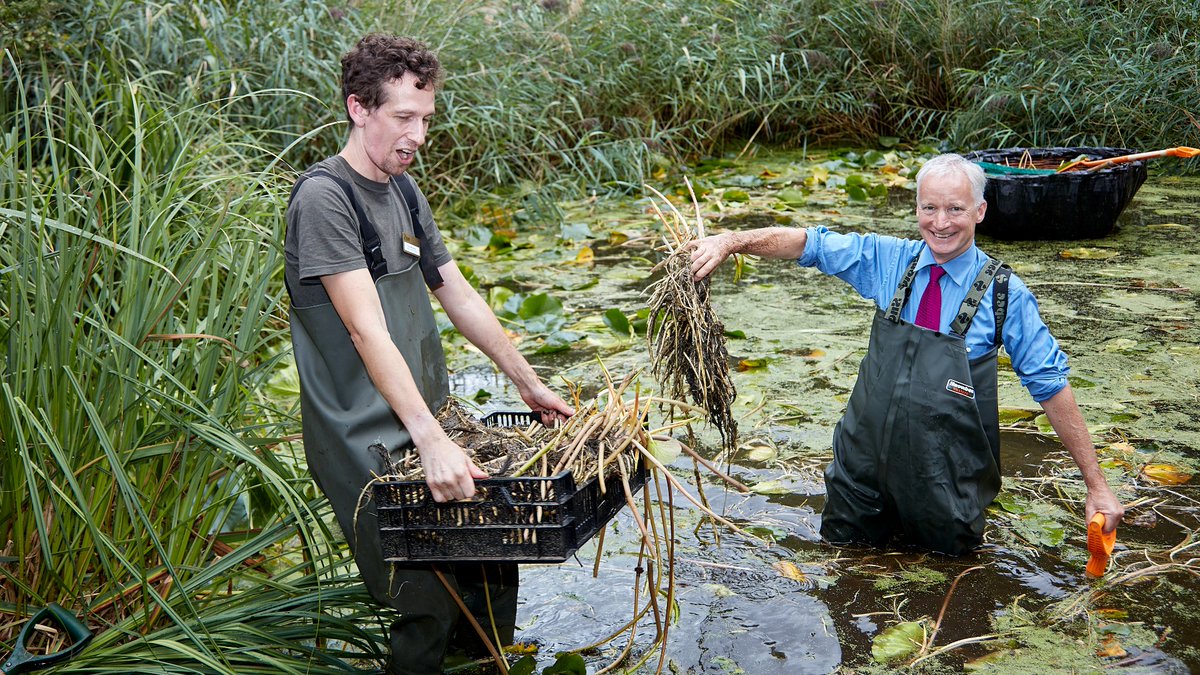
[(616, 320), (736, 196), (898, 642)]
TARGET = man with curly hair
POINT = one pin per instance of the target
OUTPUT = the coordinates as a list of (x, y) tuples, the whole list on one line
[(361, 249)]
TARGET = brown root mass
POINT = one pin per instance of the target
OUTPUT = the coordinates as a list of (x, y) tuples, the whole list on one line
[(687, 345)]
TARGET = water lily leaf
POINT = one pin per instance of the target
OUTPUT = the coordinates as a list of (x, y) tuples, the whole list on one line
[(499, 242), (523, 666), (856, 193), (737, 334), (567, 663), (617, 238), (616, 320), (498, 297), (736, 196), (758, 450), (788, 570), (586, 256), (665, 451), (1086, 253), (740, 181), (857, 179), (558, 341), (878, 191), (767, 173), (770, 487), (820, 174), (751, 364), (540, 304), (1165, 474), (575, 232), (1119, 346), (791, 197), (1043, 424), (478, 236), (888, 141), (898, 642), (719, 590), (482, 396), (1014, 415)]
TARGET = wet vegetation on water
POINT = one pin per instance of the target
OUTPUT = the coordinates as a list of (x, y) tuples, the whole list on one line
[(151, 476)]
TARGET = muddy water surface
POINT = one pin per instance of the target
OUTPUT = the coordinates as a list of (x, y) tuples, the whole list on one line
[(1124, 308)]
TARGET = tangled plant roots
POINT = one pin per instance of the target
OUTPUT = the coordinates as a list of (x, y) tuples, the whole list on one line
[(686, 339)]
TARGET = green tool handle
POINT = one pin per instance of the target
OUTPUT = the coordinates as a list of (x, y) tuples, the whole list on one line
[(22, 661)]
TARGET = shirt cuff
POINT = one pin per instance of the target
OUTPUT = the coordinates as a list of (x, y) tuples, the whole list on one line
[(1042, 390)]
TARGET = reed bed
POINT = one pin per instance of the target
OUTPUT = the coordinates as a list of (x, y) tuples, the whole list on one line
[(689, 358)]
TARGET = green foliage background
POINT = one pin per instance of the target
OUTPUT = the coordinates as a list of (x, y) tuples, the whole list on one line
[(146, 151)]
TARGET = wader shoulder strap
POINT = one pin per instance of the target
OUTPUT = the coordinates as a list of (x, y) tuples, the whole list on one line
[(429, 270), (372, 249), (902, 292), (970, 304)]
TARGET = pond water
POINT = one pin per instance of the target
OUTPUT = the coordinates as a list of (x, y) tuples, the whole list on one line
[(1124, 308)]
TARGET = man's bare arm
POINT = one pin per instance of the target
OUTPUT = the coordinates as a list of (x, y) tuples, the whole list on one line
[(1064, 415), (448, 471), (769, 242)]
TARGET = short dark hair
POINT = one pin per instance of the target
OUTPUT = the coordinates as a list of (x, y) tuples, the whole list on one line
[(378, 59)]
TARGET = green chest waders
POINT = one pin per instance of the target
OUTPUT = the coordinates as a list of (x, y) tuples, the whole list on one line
[(917, 453), (343, 414)]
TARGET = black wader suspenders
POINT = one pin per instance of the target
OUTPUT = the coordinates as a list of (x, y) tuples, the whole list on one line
[(962, 322), (372, 249)]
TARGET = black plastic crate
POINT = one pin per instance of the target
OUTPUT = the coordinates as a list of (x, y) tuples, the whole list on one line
[(523, 520)]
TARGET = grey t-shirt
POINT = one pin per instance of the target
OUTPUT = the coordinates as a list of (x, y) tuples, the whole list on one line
[(323, 236)]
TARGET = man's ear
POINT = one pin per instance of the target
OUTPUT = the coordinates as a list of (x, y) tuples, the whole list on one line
[(982, 210), (358, 112)]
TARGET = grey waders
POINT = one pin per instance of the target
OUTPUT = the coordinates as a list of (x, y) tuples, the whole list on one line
[(917, 453), (343, 415)]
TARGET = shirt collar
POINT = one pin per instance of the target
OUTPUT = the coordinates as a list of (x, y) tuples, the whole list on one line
[(958, 268)]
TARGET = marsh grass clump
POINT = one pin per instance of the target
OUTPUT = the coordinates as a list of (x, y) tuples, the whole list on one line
[(686, 339)]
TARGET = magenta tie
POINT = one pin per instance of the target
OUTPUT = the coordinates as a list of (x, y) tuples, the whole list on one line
[(929, 312)]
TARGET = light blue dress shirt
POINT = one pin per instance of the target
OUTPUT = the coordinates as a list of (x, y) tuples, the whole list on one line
[(873, 265)]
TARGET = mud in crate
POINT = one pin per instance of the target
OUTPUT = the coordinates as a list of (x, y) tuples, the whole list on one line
[(531, 519)]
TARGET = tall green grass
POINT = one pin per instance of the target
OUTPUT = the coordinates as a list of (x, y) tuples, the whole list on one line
[(142, 318)]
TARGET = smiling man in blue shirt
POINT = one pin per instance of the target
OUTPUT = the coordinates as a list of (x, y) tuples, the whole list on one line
[(916, 455)]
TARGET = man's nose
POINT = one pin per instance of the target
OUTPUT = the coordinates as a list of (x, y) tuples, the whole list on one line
[(416, 132)]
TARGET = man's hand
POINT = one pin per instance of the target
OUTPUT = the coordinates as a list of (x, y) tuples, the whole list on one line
[(1102, 500), (546, 404), (708, 253), (449, 473)]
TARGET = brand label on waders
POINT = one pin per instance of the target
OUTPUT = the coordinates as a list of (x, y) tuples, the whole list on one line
[(956, 387)]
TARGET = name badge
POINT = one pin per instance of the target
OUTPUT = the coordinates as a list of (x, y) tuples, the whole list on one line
[(964, 390), (412, 246)]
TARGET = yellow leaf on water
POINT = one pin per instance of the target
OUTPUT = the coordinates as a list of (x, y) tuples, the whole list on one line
[(1085, 253), (521, 648), (789, 570), (586, 256), (751, 364), (1165, 474), (1110, 647)]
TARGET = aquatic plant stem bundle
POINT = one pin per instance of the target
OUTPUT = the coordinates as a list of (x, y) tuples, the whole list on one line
[(688, 355)]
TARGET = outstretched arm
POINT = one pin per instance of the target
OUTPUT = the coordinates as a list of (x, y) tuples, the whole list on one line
[(449, 473), (475, 320), (1068, 423), (768, 242)]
